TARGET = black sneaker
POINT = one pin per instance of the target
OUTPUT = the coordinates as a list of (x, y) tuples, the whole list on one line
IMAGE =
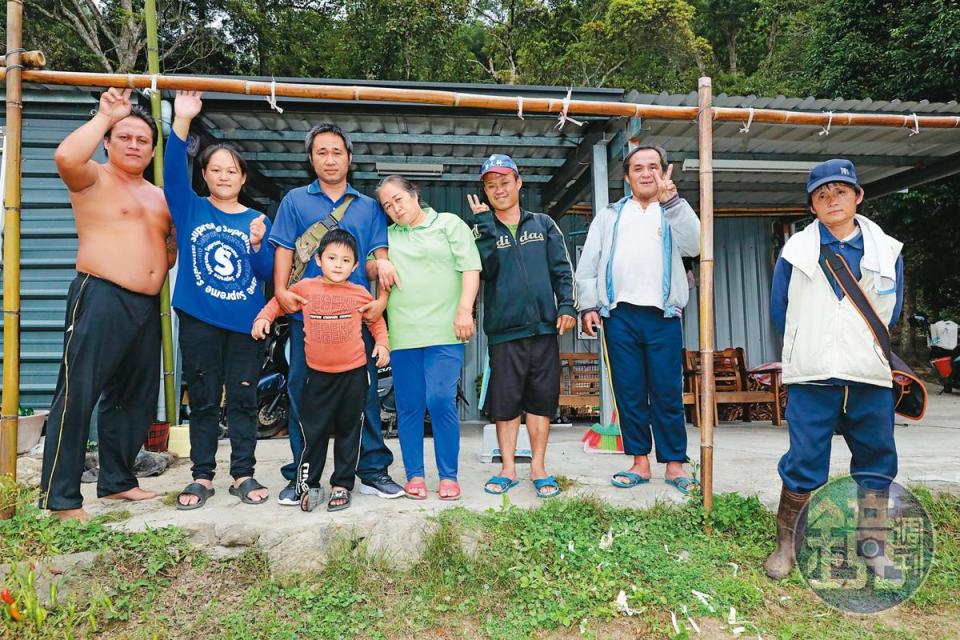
[(288, 495), (382, 486)]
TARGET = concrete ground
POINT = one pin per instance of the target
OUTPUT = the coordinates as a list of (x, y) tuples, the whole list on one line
[(745, 461)]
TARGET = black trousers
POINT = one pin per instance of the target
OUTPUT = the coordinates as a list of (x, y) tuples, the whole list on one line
[(214, 357), (331, 405), (111, 346)]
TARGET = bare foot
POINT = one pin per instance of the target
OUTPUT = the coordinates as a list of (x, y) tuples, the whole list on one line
[(257, 495), (188, 499), (675, 470), (135, 494), (510, 474), (641, 467), (71, 514)]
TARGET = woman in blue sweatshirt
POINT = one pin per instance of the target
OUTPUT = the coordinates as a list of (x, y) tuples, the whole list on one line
[(225, 260)]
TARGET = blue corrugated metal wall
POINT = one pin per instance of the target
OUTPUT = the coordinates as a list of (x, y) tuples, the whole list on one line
[(48, 240)]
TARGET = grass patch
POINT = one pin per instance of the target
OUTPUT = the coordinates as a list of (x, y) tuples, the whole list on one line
[(508, 573)]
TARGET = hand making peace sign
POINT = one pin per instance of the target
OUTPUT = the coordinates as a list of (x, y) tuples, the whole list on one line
[(666, 189)]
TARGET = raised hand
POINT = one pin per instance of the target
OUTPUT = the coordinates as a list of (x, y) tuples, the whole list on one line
[(187, 104), (476, 205), (665, 187), (257, 231), (115, 103)]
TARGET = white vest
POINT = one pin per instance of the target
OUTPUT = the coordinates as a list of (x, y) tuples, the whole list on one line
[(828, 338)]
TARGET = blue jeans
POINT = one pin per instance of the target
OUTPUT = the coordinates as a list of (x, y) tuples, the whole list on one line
[(426, 379), (864, 415), (375, 456), (646, 363)]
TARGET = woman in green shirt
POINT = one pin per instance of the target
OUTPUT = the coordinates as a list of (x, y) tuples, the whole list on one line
[(430, 316)]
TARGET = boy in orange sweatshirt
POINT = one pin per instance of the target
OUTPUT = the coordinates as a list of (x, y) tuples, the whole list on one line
[(335, 391)]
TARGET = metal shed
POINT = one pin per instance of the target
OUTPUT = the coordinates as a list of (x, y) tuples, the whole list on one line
[(567, 172)]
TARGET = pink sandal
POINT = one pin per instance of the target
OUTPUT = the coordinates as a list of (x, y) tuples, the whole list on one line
[(450, 484), (416, 489)]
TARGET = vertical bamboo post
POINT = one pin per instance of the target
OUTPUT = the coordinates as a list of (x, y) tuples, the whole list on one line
[(166, 326), (11, 251), (705, 123)]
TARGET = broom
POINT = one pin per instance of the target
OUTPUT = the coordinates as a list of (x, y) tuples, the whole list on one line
[(605, 438)]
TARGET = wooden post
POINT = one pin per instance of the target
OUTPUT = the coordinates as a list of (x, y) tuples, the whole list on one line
[(11, 252), (706, 290), (170, 396)]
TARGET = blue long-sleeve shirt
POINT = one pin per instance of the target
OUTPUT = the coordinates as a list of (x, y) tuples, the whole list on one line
[(220, 278), (852, 252)]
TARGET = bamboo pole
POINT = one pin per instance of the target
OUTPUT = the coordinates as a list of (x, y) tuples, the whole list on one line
[(166, 327), (29, 59), (483, 101), (706, 291), (11, 255)]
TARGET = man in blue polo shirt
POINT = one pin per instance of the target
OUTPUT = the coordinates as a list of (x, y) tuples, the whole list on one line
[(326, 199)]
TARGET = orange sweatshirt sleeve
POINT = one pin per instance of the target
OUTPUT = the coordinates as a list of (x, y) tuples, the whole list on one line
[(270, 311), (378, 329)]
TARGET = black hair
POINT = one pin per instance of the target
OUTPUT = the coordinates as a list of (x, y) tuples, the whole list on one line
[(326, 127), (338, 236), (136, 111), (207, 154), (660, 152), (399, 181)]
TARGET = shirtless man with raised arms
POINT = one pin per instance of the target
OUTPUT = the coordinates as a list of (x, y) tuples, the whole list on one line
[(111, 343)]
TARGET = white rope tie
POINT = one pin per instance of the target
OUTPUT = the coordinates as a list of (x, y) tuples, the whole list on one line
[(915, 129), (564, 118), (456, 99), (746, 125), (153, 85), (520, 107), (825, 131), (246, 87), (356, 93), (272, 98), (956, 122), (130, 79)]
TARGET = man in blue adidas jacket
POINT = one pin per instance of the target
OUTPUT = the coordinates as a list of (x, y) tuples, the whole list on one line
[(631, 275), (528, 298)]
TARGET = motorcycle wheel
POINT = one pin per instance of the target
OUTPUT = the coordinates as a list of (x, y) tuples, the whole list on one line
[(272, 416)]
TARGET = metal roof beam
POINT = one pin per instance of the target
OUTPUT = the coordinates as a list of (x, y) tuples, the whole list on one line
[(266, 156), (571, 196), (909, 179), (373, 175), (576, 164), (268, 135)]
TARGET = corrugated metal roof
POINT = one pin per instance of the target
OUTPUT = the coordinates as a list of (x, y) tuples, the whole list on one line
[(880, 154)]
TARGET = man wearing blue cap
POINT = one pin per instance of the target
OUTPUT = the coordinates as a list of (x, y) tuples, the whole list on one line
[(836, 375), (528, 299)]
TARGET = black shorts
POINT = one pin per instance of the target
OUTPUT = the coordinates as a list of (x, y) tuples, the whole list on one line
[(524, 376)]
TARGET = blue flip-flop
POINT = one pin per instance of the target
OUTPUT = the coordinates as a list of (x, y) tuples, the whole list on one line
[(504, 483), (633, 479), (682, 484), (549, 481)]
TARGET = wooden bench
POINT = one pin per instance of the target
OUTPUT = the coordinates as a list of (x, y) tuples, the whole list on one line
[(579, 384)]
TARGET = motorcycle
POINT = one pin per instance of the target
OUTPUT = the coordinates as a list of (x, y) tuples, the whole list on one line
[(273, 399), (944, 349)]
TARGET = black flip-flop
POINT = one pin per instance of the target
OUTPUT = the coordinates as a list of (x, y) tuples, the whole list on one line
[(246, 487), (338, 494), (194, 489)]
